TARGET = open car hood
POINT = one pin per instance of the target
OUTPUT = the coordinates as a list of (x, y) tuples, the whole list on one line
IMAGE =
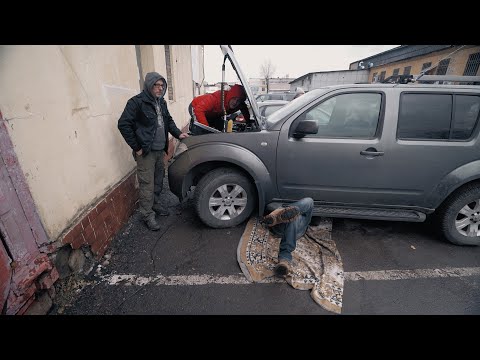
[(228, 52)]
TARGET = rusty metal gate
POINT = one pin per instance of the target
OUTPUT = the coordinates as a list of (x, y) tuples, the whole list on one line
[(22, 259)]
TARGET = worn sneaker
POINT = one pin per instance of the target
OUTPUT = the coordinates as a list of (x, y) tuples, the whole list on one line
[(161, 211), (282, 268), (282, 215), (152, 223)]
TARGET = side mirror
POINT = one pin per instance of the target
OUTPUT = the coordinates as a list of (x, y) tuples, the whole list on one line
[(305, 127)]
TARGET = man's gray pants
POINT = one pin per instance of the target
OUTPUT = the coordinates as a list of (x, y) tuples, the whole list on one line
[(150, 173)]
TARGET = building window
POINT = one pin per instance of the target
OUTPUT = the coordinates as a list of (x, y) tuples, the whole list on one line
[(374, 77), (168, 62), (473, 63), (406, 70), (382, 76), (443, 67), (396, 71), (426, 65)]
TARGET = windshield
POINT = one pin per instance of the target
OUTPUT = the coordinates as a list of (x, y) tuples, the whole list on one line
[(294, 105)]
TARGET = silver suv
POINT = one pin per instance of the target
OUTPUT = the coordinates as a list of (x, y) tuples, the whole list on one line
[(369, 151)]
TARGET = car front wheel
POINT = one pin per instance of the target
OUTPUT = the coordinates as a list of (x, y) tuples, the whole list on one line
[(224, 198), (460, 219)]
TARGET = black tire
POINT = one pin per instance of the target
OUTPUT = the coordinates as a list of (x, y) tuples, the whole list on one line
[(208, 188), (450, 213)]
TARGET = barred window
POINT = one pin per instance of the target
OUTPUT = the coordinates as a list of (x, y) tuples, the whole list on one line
[(396, 71), (443, 67), (374, 77), (382, 76), (426, 65), (473, 63), (406, 70)]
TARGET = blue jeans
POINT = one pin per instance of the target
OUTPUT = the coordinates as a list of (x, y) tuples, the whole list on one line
[(291, 232)]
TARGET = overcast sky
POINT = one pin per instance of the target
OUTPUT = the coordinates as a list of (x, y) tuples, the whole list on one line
[(289, 60)]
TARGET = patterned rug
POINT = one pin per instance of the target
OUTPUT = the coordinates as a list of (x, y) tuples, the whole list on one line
[(316, 263)]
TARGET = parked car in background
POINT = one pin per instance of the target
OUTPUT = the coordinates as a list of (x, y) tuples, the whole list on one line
[(398, 152), (266, 108), (287, 96)]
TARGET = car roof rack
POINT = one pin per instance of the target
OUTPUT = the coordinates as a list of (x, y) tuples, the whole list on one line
[(453, 78), (398, 79)]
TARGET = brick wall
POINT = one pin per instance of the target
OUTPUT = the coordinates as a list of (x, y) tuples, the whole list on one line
[(100, 224), (98, 227)]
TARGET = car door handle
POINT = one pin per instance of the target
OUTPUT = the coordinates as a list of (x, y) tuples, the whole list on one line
[(371, 153)]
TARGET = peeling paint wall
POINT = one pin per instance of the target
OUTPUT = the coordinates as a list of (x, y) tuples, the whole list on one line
[(62, 104)]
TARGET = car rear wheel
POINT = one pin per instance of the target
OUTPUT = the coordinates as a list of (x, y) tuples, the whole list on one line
[(460, 218), (224, 198)]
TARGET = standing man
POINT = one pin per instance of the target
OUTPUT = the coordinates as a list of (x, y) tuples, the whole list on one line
[(145, 124)]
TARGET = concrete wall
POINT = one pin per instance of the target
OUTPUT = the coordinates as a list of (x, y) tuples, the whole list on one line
[(456, 66), (62, 104)]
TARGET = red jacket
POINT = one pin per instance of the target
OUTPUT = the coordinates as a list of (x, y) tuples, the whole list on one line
[(209, 106)]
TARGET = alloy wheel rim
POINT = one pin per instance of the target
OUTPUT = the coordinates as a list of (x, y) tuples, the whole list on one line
[(228, 201)]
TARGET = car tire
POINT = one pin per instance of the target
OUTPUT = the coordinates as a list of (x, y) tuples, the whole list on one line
[(228, 188), (460, 214)]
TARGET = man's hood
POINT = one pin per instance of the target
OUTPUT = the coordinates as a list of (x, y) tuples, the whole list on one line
[(235, 91), (150, 79)]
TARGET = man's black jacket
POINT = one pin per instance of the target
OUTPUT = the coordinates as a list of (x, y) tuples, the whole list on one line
[(138, 123)]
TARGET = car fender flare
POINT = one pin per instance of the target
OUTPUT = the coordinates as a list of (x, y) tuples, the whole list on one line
[(237, 155), (452, 181)]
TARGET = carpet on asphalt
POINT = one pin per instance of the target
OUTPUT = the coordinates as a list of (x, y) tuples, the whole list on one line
[(316, 263)]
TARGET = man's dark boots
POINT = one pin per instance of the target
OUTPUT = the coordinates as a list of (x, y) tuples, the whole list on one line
[(282, 268), (161, 211), (152, 223)]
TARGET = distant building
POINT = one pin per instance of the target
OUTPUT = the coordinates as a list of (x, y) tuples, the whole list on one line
[(258, 85), (278, 84), (412, 59), (210, 88), (315, 80)]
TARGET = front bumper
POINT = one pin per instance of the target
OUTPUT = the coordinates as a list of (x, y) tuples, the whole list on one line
[(178, 175)]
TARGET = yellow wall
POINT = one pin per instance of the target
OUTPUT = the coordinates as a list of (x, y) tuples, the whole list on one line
[(456, 66)]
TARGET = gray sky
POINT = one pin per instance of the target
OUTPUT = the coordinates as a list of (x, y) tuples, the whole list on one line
[(291, 60)]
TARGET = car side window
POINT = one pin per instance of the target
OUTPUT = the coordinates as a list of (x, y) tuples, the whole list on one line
[(465, 116), (275, 97), (437, 116), (289, 96), (424, 116), (353, 115)]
